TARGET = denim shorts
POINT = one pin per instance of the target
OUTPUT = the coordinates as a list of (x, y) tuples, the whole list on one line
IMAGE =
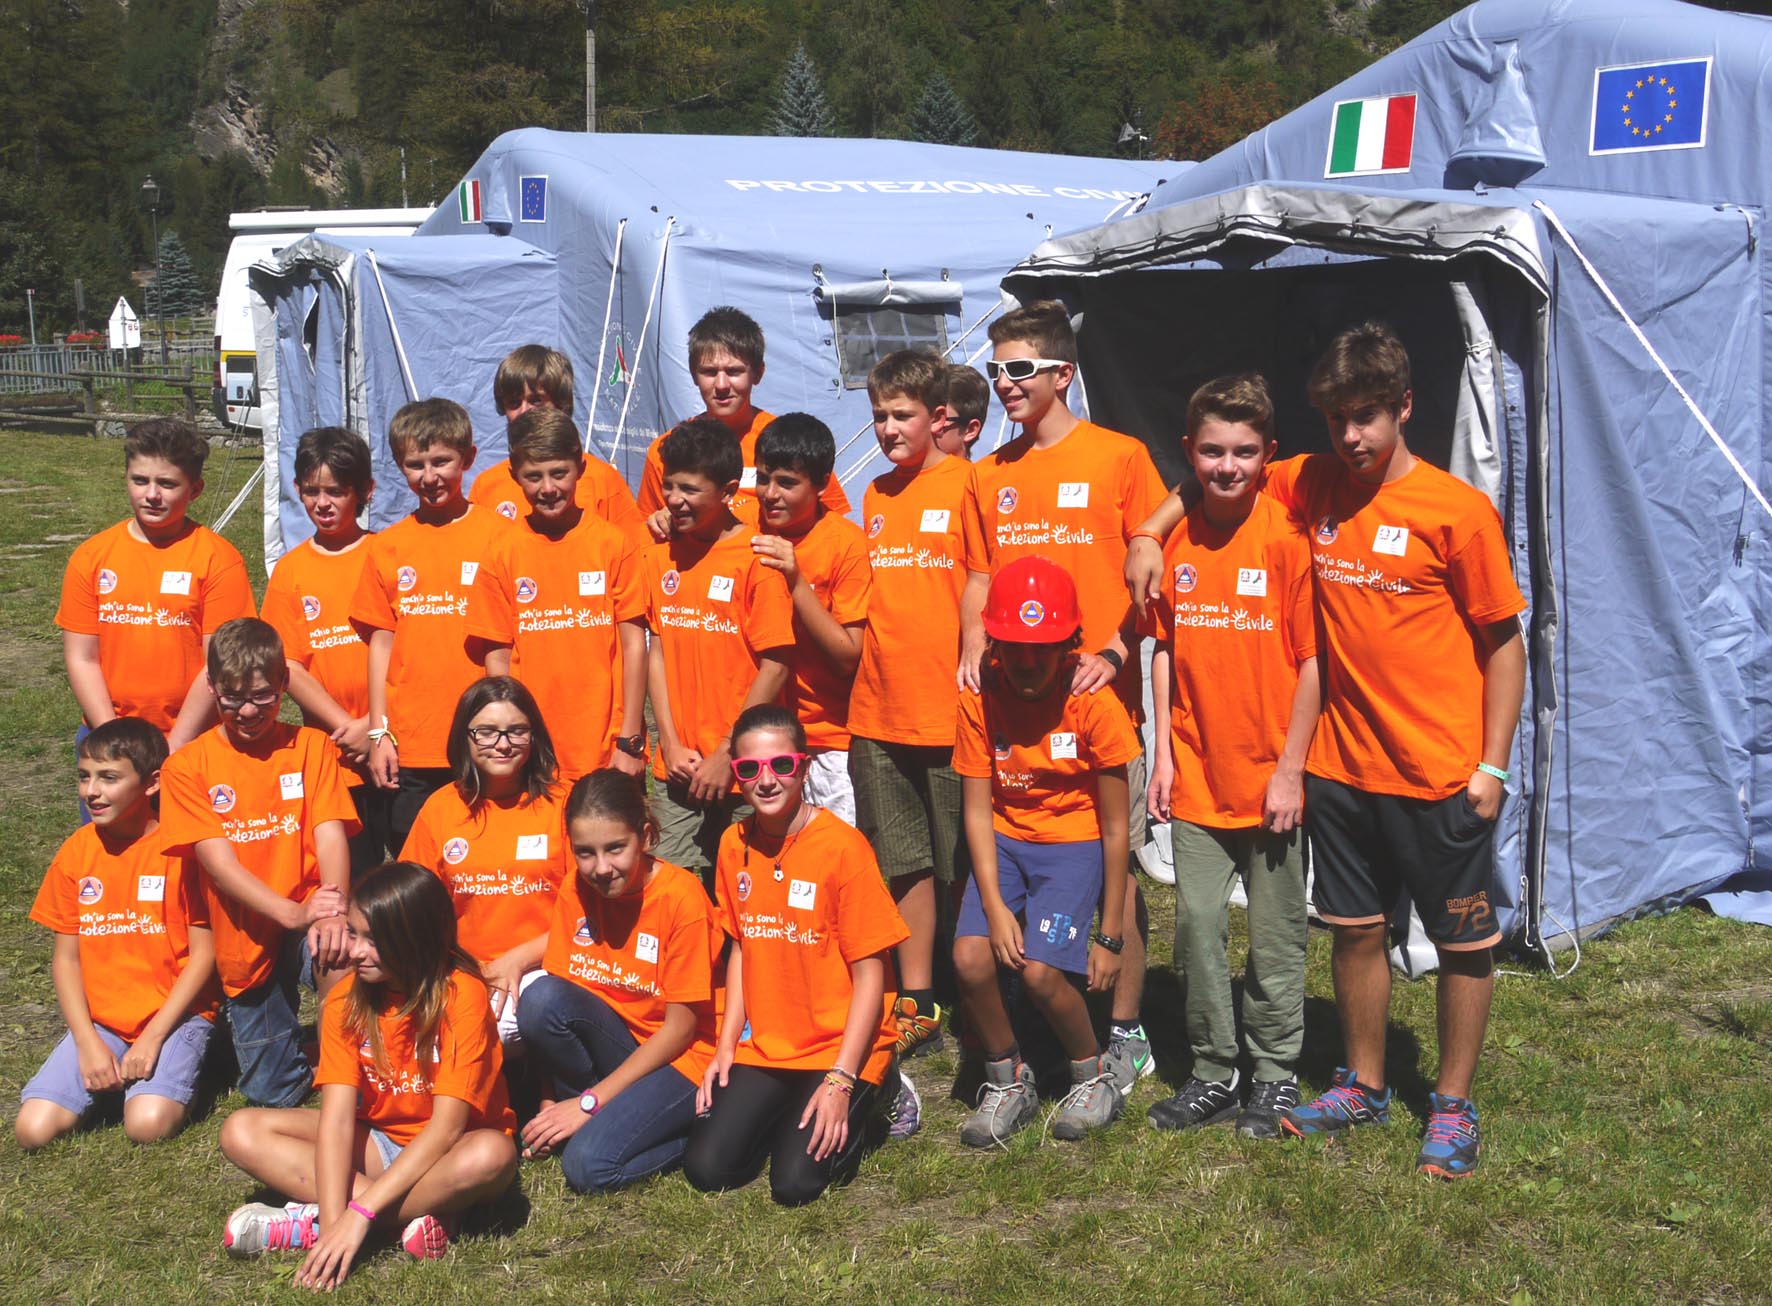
[(174, 1077), (1054, 888), (266, 1025), (389, 1149)]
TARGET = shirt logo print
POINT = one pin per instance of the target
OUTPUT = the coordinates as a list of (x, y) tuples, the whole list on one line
[(669, 582), (1186, 578), (91, 890), (221, 798), (1000, 746), (526, 589), (1007, 499), (455, 851), (506, 509), (310, 607), (406, 578), (744, 885), (875, 525), (107, 580), (583, 934), (1327, 529)]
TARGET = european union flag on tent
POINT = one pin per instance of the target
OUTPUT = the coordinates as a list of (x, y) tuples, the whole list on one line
[(1650, 106), (533, 202)]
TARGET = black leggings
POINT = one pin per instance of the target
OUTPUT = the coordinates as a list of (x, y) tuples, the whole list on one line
[(756, 1117)]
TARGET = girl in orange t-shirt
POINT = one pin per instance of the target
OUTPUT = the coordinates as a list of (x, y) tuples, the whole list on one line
[(495, 837), (413, 1124), (805, 1058), (624, 1017)]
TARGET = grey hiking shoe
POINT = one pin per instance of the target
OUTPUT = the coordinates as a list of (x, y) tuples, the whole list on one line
[(1006, 1102), (1200, 1102), (1094, 1101), (1128, 1057), (1267, 1103)]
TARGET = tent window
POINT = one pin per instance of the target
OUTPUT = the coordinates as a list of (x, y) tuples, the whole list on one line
[(874, 318)]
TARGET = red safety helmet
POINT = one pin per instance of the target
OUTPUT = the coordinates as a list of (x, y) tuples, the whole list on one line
[(1032, 601)]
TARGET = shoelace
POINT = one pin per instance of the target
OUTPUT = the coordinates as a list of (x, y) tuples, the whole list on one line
[(289, 1231), (1342, 1102), (996, 1093), (1450, 1128)]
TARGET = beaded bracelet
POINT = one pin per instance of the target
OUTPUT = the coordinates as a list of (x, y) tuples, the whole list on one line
[(835, 1080)]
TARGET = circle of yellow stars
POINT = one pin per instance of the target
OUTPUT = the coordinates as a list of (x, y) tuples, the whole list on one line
[(1649, 127)]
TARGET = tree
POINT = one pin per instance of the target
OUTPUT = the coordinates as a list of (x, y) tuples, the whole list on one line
[(1220, 108), (174, 292), (800, 106), (941, 116)]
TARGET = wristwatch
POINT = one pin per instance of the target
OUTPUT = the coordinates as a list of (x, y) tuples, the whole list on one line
[(1113, 659), (632, 745), (588, 1103), (1109, 942)]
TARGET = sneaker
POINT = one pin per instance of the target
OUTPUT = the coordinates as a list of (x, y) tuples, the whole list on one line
[(258, 1227), (1347, 1104), (1268, 1101), (1006, 1102), (905, 1116), (425, 1239), (1450, 1149), (1200, 1102), (1128, 1057), (1156, 858), (918, 1035), (1094, 1102)]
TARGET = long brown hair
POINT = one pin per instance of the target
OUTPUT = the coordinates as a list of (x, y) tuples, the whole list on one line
[(539, 771), (412, 920)]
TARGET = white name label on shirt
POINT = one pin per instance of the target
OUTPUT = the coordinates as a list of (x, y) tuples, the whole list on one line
[(935, 519), (1063, 746), (468, 571), (747, 479), (290, 783), (591, 583), (720, 589), (150, 888), (175, 582), (1392, 540), (1073, 494), (646, 948), (801, 894), (1252, 582), (532, 847)]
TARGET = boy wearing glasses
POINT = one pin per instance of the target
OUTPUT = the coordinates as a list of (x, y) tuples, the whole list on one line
[(722, 640), (1072, 492), (262, 807)]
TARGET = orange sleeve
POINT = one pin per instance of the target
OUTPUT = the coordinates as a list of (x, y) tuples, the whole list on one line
[(852, 581), (725, 876), (628, 588), (330, 797), (78, 613), (466, 1064), (769, 612), (651, 496), (1280, 482), (974, 531), (420, 847), (1142, 492), (491, 615), (371, 607), (615, 502), (867, 919), (972, 750), (191, 899), (1301, 606), (54, 906), (280, 611), (340, 1061), (1479, 572), (226, 591), (186, 814), (1108, 732), (686, 974)]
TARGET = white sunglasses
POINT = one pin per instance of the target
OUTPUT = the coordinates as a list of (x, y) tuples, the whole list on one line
[(1021, 369)]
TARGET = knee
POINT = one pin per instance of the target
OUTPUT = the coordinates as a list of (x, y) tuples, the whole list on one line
[(488, 1158), (1356, 939), (242, 1133), (800, 1186), (589, 1168), (1043, 981), (152, 1119), (705, 1166), (39, 1124), (973, 961), (1466, 963)]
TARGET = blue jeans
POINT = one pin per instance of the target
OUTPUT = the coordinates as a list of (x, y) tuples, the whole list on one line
[(579, 1039), (266, 1027)]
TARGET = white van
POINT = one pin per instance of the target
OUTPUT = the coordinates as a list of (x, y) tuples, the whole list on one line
[(259, 236)]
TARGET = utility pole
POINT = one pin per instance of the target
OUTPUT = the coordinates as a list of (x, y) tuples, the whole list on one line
[(31, 308), (404, 202), (590, 65), (151, 195)]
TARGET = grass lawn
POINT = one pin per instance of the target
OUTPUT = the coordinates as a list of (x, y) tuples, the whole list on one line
[(1624, 1109)]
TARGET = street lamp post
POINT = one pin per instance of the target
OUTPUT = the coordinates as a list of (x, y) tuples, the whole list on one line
[(590, 8), (151, 197)]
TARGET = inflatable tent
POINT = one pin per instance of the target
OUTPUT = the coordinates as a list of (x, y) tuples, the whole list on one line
[(1559, 206)]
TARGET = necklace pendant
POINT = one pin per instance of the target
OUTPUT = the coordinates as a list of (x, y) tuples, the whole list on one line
[(778, 872)]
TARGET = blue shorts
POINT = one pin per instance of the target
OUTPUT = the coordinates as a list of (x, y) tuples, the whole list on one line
[(386, 1146), (266, 1025), (1054, 888), (174, 1077)]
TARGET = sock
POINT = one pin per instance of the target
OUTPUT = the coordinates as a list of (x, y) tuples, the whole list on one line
[(1012, 1053), (924, 998)]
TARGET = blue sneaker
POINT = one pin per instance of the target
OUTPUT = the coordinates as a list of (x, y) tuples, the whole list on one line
[(1347, 1104), (1450, 1149)]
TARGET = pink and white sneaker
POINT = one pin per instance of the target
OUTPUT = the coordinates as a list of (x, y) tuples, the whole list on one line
[(258, 1227), (425, 1239)]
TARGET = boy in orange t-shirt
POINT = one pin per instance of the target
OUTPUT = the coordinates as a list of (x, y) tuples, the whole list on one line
[(559, 605), (410, 604), (535, 377), (966, 405), (1072, 492), (141, 599), (308, 603), (263, 808), (823, 557), (1424, 672), (1043, 769), (134, 961), (1228, 772), (726, 360), (722, 641), (901, 710)]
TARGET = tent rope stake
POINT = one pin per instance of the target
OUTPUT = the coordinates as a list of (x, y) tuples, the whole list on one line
[(1643, 340)]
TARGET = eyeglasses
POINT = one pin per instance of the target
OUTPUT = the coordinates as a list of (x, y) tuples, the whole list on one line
[(747, 769), (490, 736), (1021, 369), (263, 699)]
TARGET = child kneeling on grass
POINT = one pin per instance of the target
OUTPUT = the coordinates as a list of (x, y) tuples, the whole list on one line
[(414, 1124), (1044, 799)]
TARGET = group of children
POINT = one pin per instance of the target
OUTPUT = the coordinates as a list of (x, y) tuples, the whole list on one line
[(865, 738)]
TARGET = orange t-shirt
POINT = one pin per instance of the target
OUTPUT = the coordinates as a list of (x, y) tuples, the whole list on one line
[(308, 603), (151, 609), (833, 557), (641, 951), (910, 651), (416, 583), (556, 604), (1405, 573), (715, 610), (132, 909), (503, 863), (744, 503), (468, 1064), (1041, 757), (1077, 504), (267, 804), (799, 934), (601, 492), (1236, 605)]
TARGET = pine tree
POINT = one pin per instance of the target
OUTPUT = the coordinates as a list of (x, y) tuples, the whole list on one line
[(174, 292), (800, 106), (941, 116)]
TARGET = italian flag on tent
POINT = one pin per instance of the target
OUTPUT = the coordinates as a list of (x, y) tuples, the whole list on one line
[(1368, 137), (467, 197)]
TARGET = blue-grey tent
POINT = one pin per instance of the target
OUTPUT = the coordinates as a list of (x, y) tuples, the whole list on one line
[(1559, 206)]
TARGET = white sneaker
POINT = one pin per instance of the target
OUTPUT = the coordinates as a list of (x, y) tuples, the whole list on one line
[(258, 1227), (1157, 856)]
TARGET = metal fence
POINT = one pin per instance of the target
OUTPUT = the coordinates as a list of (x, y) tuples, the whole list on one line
[(37, 369)]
